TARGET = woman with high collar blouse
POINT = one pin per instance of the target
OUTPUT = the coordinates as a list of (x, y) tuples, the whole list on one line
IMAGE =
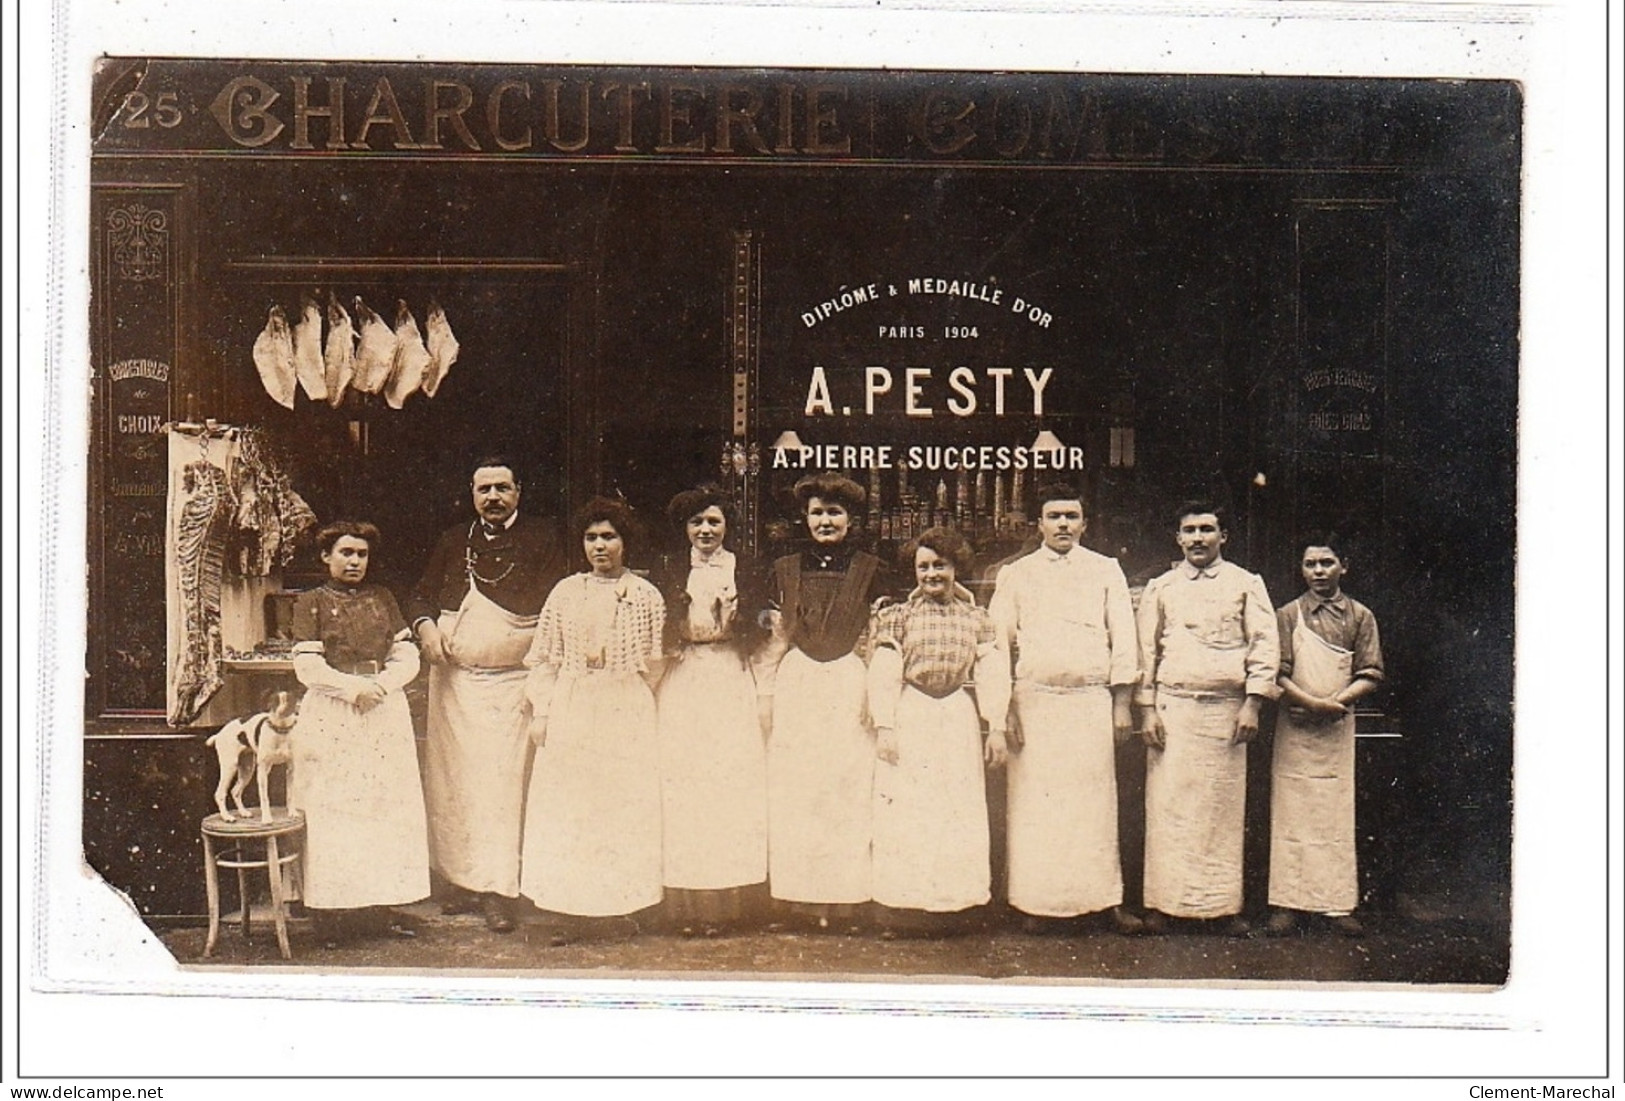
[(713, 758)]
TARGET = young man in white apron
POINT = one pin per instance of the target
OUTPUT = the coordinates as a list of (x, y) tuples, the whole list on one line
[(474, 614), (1330, 657), (1065, 612), (1209, 658)]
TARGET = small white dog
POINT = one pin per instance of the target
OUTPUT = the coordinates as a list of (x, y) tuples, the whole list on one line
[(253, 747)]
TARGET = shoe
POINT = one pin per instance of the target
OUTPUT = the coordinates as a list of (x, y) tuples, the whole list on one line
[(1281, 923), (460, 901), (498, 913), (1346, 925), (1034, 926), (334, 928), (1238, 927), (1155, 923), (1125, 923)]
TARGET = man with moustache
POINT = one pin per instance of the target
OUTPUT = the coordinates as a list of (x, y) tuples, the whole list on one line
[(1065, 613), (1209, 656), (474, 615)]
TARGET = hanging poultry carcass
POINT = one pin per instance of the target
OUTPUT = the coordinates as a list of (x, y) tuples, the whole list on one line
[(442, 343), (340, 352), (307, 351), (273, 358), (411, 357), (375, 355)]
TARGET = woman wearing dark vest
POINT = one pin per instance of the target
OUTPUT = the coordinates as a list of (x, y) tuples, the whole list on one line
[(821, 755)]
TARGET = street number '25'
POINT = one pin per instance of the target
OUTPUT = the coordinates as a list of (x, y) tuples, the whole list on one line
[(164, 108)]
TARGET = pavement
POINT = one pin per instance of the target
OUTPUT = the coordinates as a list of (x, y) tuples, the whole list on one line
[(1408, 947)]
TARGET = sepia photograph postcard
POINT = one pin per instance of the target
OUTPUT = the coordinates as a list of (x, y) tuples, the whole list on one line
[(985, 535)]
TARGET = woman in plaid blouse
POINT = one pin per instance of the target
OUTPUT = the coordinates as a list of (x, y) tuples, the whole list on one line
[(937, 664)]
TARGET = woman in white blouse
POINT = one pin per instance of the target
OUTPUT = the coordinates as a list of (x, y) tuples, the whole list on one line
[(713, 758), (592, 817)]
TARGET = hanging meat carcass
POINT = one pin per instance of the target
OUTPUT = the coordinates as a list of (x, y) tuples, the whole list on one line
[(273, 357), (340, 353), (203, 519), (270, 516), (442, 349), (375, 357), (411, 357), (307, 351)]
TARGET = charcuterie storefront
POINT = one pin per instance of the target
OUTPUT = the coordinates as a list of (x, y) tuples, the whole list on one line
[(324, 290)]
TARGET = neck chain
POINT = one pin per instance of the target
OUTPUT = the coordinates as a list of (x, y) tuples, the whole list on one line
[(471, 557)]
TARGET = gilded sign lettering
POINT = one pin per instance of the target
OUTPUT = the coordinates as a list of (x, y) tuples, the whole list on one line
[(243, 110)]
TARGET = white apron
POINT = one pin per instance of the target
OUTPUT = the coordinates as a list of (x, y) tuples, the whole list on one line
[(1312, 864), (1062, 804), (713, 771), (592, 823), (355, 775), (478, 746), (930, 809), (1195, 806), (820, 782), (1196, 789)]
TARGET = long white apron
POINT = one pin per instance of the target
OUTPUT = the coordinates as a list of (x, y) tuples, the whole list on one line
[(713, 772), (592, 819), (1312, 863), (820, 782), (355, 775), (1195, 807), (1062, 804), (474, 779), (930, 809)]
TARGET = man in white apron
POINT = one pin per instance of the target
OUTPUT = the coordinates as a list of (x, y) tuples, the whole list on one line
[(1065, 612), (1209, 657), (474, 614), (1330, 657)]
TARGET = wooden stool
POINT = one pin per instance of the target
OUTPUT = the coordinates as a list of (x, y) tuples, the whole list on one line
[(233, 834)]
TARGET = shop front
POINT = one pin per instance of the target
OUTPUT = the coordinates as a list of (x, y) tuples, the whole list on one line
[(1296, 298)]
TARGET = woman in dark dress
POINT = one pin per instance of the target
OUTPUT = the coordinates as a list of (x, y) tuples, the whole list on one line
[(821, 756), (713, 756), (355, 766)]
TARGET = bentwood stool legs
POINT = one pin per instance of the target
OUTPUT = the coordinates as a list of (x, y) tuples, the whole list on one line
[(233, 836)]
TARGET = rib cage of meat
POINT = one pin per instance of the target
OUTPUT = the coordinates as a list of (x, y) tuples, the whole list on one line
[(202, 523)]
